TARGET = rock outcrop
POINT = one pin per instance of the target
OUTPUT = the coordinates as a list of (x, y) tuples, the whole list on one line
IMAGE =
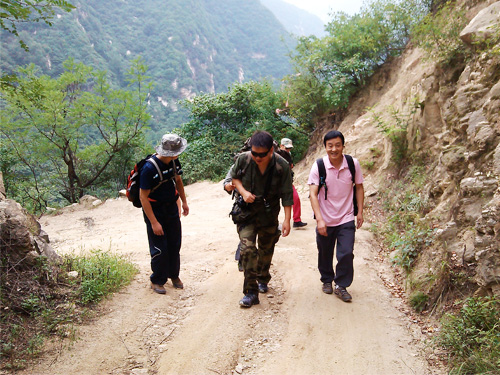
[(21, 238), (482, 26)]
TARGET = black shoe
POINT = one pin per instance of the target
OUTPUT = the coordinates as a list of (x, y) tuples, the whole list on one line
[(299, 224), (263, 288), (249, 300), (327, 288), (342, 293)]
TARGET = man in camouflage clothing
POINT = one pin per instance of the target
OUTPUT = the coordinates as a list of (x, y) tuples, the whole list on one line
[(262, 178)]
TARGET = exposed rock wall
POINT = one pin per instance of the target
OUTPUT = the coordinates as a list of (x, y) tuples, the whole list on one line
[(466, 178)]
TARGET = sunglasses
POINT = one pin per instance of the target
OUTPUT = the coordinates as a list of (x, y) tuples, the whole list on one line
[(260, 154)]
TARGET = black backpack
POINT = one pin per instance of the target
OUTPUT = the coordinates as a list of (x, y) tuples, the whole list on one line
[(322, 179), (134, 177)]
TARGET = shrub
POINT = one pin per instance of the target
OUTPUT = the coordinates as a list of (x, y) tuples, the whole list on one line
[(418, 300), (40, 301), (101, 273), (472, 336), (439, 34), (404, 204), (368, 164), (396, 131)]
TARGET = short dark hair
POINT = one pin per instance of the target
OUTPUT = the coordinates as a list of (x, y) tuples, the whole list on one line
[(262, 138), (333, 134)]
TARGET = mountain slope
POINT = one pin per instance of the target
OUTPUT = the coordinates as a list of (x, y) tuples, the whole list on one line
[(190, 46)]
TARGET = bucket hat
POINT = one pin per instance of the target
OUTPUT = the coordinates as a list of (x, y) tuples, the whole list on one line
[(171, 145), (287, 142)]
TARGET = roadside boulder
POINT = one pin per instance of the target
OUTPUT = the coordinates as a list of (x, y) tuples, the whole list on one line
[(482, 26), (21, 237)]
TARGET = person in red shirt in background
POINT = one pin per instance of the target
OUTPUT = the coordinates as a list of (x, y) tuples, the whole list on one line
[(287, 145)]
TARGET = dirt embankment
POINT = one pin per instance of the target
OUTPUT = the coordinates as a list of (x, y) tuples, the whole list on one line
[(202, 330)]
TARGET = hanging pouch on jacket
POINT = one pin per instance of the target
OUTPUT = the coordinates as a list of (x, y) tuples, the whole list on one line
[(241, 211)]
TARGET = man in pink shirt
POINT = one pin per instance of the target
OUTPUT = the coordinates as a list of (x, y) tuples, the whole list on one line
[(334, 213)]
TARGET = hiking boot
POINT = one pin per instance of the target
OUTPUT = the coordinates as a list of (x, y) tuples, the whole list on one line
[(327, 288), (177, 283), (299, 224), (263, 288), (342, 293), (158, 288), (249, 300)]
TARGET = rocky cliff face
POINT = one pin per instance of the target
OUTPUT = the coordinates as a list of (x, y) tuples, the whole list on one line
[(454, 120)]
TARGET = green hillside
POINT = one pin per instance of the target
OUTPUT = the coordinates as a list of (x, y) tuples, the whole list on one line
[(190, 46)]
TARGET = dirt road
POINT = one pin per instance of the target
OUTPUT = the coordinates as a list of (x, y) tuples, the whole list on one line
[(296, 329)]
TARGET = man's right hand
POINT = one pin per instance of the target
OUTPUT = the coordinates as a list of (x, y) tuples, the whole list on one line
[(248, 197), (157, 228), (321, 227)]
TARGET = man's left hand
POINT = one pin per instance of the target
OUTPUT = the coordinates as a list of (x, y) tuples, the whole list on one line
[(229, 187), (360, 220), (185, 209), (285, 228)]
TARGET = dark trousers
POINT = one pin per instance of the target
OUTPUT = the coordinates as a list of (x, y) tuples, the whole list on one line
[(165, 250), (343, 237)]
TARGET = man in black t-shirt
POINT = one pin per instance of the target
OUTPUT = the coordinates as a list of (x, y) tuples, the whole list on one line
[(159, 196)]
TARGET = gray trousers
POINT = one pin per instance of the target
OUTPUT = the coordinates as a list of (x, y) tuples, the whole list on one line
[(343, 237)]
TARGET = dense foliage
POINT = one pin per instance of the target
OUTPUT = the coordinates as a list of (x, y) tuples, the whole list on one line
[(329, 70), (71, 135), (221, 123)]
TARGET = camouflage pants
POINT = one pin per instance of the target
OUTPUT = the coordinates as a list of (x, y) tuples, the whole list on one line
[(257, 249)]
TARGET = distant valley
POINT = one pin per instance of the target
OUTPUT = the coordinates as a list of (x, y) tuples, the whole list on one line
[(190, 46)]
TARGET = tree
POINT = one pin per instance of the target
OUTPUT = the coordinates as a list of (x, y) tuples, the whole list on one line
[(71, 134), (221, 123), (13, 12)]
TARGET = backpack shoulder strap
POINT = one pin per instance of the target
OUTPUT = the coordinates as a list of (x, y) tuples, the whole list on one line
[(153, 161), (160, 173), (352, 169), (248, 158), (322, 175), (277, 165)]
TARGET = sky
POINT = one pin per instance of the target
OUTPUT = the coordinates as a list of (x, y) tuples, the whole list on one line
[(322, 8)]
